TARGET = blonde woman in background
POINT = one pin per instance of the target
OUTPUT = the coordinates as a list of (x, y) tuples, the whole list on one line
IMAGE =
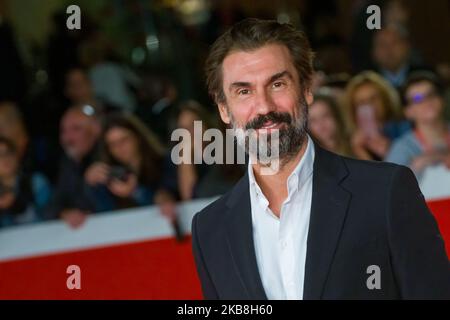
[(373, 113), (326, 124)]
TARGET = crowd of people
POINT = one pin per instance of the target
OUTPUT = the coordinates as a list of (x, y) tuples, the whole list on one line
[(114, 141)]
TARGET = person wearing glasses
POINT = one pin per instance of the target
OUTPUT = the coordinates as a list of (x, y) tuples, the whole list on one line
[(428, 143)]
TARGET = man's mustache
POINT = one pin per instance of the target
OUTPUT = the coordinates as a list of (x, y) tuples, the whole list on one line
[(275, 117)]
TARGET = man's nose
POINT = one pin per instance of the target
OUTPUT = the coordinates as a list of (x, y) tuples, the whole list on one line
[(264, 103)]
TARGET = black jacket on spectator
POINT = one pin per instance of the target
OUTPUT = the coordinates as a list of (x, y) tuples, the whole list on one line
[(71, 191), (362, 214)]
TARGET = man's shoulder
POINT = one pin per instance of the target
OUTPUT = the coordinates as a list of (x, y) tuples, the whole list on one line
[(374, 172), (375, 176), (369, 165)]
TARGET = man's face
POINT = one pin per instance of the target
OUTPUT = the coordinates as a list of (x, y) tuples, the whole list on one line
[(390, 50), (262, 92), (79, 134)]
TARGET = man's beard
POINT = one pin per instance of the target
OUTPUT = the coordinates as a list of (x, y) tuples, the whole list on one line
[(291, 135)]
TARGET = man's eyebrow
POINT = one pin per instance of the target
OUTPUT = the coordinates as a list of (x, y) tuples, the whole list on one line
[(280, 75), (276, 76), (239, 84)]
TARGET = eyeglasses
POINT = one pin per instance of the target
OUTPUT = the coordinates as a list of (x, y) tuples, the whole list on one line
[(421, 97)]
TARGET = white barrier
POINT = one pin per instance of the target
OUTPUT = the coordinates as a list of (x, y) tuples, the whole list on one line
[(435, 182), (103, 229), (139, 224)]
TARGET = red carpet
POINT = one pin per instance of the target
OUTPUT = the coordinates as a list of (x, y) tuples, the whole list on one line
[(157, 269)]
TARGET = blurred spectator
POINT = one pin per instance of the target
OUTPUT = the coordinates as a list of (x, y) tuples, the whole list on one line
[(80, 131), (112, 82), (62, 50), (335, 85), (13, 127), (130, 167), (395, 12), (157, 96), (443, 71), (23, 196), (318, 79), (220, 178), (392, 54), (32, 149), (326, 124), (201, 180), (373, 111), (12, 79), (189, 174), (78, 89), (429, 142)]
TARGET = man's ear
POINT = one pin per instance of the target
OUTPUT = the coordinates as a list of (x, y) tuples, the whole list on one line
[(223, 110)]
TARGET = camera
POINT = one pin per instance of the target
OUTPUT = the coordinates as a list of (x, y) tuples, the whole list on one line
[(119, 172)]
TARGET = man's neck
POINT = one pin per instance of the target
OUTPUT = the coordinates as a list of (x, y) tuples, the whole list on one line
[(274, 186)]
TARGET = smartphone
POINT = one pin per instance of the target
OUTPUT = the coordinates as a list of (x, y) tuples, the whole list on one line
[(366, 119)]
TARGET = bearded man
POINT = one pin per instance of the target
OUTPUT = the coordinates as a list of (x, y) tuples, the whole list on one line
[(318, 225)]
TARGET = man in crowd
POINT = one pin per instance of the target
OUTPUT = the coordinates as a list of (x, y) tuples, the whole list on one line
[(393, 55), (80, 131)]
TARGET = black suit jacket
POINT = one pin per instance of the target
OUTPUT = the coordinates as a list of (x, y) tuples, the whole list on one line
[(363, 213)]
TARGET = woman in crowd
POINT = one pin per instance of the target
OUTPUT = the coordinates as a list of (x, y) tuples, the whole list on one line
[(326, 124), (373, 113), (23, 196), (129, 172), (201, 180), (428, 143), (188, 180)]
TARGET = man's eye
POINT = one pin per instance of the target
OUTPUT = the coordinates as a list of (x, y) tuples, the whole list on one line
[(278, 84), (243, 91)]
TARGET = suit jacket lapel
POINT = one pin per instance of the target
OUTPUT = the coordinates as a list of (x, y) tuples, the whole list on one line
[(328, 211), (240, 240)]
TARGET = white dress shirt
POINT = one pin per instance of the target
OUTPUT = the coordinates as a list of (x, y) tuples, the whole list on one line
[(280, 243)]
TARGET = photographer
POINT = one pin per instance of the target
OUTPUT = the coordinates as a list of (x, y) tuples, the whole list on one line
[(22, 196), (129, 171)]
